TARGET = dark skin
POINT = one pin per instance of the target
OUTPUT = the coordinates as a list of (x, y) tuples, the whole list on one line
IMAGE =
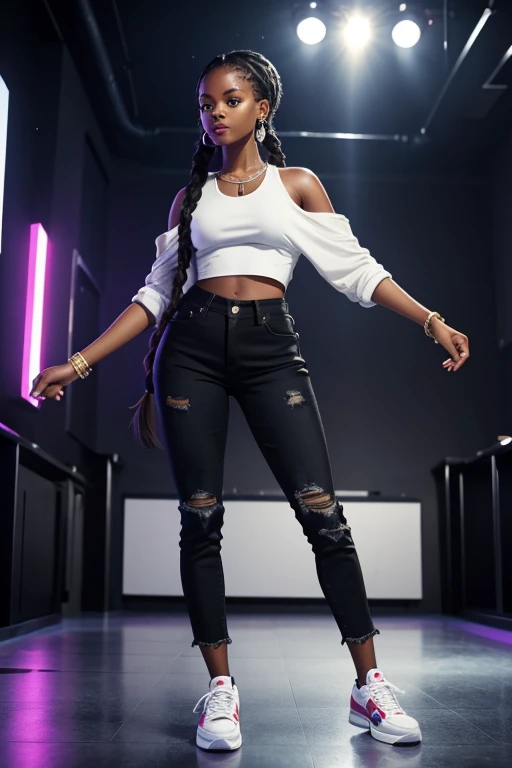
[(226, 98)]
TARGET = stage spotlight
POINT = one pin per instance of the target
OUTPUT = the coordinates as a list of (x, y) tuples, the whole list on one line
[(407, 30), (406, 33), (357, 32), (311, 30)]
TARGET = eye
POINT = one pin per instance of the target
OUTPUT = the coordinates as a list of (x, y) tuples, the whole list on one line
[(202, 107)]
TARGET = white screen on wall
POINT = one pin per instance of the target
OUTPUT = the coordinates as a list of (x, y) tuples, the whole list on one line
[(4, 107), (265, 553)]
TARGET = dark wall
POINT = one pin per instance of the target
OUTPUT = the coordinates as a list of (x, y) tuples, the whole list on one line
[(49, 120), (390, 411), (501, 195)]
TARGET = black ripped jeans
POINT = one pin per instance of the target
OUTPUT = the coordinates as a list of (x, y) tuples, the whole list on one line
[(215, 347)]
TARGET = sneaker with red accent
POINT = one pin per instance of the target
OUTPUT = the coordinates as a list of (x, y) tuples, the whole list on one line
[(375, 706), (219, 725)]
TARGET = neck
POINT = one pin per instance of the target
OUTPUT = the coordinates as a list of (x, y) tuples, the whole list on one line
[(241, 156)]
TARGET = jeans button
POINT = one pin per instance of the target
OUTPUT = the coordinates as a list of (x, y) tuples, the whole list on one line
[(235, 310)]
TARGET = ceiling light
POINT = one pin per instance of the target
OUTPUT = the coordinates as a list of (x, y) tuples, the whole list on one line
[(311, 30), (406, 33), (357, 32)]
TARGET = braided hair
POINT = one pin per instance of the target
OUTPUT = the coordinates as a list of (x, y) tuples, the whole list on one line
[(266, 84)]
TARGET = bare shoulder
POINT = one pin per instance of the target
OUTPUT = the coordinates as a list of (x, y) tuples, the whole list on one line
[(306, 189), (174, 213)]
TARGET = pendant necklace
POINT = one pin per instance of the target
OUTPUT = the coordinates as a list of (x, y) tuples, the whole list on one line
[(241, 182)]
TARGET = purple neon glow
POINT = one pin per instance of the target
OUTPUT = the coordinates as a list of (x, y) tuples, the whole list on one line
[(483, 630), (34, 310), (8, 429), (4, 110)]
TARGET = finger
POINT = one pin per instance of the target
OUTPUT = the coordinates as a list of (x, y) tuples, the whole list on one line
[(35, 389), (52, 390), (454, 352), (462, 345), (42, 385), (461, 362)]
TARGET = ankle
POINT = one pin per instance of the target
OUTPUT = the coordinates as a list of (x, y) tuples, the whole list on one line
[(217, 673)]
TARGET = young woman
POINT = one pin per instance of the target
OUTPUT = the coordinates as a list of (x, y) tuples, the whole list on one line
[(216, 295)]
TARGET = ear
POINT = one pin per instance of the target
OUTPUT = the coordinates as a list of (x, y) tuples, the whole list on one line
[(264, 109)]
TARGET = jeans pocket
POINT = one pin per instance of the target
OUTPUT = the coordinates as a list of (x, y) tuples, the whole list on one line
[(183, 315), (280, 325)]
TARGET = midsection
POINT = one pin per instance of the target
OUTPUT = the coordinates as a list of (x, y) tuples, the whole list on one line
[(246, 287), (243, 287)]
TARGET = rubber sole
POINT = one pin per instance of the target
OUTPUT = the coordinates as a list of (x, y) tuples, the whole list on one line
[(359, 721), (219, 745)]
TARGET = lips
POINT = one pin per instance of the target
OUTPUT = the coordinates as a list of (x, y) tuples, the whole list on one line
[(220, 129)]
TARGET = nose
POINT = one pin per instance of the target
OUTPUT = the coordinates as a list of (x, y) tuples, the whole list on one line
[(217, 113)]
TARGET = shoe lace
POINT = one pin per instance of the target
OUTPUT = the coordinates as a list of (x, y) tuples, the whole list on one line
[(383, 693), (218, 702)]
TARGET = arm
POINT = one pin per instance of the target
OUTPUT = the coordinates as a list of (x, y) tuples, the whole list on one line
[(130, 323), (388, 294)]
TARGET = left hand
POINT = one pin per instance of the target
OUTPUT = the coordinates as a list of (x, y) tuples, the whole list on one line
[(455, 342)]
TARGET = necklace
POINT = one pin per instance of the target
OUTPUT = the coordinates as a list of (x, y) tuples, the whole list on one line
[(241, 182)]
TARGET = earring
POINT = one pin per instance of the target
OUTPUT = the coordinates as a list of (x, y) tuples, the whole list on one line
[(208, 144), (260, 133)]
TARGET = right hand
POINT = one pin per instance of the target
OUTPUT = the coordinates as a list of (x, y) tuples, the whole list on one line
[(49, 382)]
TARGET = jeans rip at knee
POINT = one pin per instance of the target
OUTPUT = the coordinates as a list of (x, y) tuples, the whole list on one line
[(203, 510), (322, 514)]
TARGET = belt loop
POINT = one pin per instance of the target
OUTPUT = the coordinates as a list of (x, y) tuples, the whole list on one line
[(207, 307), (258, 312)]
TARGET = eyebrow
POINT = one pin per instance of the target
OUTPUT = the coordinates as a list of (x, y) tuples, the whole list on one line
[(207, 95)]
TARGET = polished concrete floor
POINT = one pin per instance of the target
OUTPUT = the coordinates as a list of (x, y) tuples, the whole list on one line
[(119, 691)]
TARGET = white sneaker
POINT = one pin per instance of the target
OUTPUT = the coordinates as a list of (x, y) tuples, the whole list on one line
[(376, 707), (219, 726)]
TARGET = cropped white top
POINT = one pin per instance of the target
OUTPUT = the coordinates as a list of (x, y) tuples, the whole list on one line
[(262, 233)]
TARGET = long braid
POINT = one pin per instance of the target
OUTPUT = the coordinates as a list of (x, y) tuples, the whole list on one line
[(273, 145), (144, 416), (266, 84)]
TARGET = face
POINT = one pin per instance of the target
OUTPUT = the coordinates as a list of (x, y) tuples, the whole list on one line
[(225, 98)]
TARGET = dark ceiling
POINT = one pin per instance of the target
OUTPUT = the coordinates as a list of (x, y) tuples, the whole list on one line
[(156, 49)]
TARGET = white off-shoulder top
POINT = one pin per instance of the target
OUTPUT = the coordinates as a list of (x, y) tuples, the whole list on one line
[(262, 233)]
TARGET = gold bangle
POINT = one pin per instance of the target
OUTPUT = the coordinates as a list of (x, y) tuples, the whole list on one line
[(84, 363), (80, 364), (427, 327), (78, 370)]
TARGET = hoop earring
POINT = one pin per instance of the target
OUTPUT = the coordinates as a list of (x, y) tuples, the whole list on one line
[(260, 132), (207, 144)]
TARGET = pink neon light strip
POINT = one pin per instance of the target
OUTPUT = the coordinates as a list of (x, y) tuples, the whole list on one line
[(34, 310)]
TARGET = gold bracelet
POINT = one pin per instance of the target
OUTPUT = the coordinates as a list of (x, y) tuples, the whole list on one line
[(80, 364), (428, 329), (79, 370)]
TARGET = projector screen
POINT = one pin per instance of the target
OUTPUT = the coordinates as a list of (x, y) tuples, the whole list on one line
[(4, 107)]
